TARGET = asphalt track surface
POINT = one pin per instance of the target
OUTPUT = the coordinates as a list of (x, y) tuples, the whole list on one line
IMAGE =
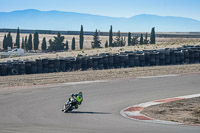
[(38, 109)]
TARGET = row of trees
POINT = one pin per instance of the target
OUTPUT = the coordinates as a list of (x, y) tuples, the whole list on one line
[(120, 41), (57, 43), (26, 44)]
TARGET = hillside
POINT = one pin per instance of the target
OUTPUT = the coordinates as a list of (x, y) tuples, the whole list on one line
[(57, 20)]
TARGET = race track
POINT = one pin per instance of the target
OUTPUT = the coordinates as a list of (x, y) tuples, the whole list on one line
[(38, 109)]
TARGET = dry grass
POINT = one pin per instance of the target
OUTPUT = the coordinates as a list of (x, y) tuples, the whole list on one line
[(89, 38)]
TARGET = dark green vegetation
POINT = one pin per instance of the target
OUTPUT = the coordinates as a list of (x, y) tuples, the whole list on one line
[(36, 41), (96, 43), (153, 36), (73, 43), (81, 40), (57, 43), (17, 44), (44, 44)]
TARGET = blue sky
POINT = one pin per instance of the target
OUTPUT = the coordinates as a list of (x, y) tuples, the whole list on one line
[(113, 8)]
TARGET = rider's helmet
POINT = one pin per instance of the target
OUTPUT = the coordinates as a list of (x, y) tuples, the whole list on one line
[(80, 93)]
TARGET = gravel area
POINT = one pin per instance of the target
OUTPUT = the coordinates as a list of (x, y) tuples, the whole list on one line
[(183, 111)]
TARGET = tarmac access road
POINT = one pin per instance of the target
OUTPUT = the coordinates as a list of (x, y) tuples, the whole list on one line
[(37, 109)]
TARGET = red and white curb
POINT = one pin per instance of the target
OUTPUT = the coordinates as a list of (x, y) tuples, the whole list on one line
[(134, 112)]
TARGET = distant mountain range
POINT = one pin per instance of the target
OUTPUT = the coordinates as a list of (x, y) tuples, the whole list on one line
[(65, 21)]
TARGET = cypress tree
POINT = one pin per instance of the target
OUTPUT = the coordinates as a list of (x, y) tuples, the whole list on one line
[(30, 43), (9, 40), (26, 44), (58, 42), (73, 43), (122, 41), (106, 44), (5, 43), (135, 40), (17, 44), (110, 37), (146, 41), (129, 39), (96, 43), (141, 39), (81, 38), (153, 36), (67, 46), (23, 43), (44, 44), (36, 41), (117, 40), (51, 45)]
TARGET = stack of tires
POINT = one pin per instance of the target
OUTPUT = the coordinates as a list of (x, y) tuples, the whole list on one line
[(105, 61), (167, 57), (116, 60), (51, 65), (147, 58), (22, 68), (84, 65), (39, 65), (68, 64), (196, 56), (162, 57), (89, 62), (78, 63), (73, 64), (34, 67), (3, 69), (152, 59), (141, 59), (95, 62), (110, 61), (57, 65), (15, 68), (28, 68), (131, 60), (100, 63), (63, 65), (45, 65)]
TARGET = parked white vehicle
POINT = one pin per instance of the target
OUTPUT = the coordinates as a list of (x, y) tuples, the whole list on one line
[(16, 51)]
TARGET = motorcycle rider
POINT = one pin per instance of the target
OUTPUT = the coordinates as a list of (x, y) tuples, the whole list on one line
[(78, 98)]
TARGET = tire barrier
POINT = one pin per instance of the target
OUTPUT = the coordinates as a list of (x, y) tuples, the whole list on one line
[(57, 65), (39, 65), (51, 65), (45, 66), (62, 65), (183, 55)]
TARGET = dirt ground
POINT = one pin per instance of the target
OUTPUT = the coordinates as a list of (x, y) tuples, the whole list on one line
[(64, 77), (183, 111)]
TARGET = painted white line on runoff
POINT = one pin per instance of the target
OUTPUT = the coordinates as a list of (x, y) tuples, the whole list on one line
[(161, 76), (84, 82), (190, 96), (147, 104), (134, 113)]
